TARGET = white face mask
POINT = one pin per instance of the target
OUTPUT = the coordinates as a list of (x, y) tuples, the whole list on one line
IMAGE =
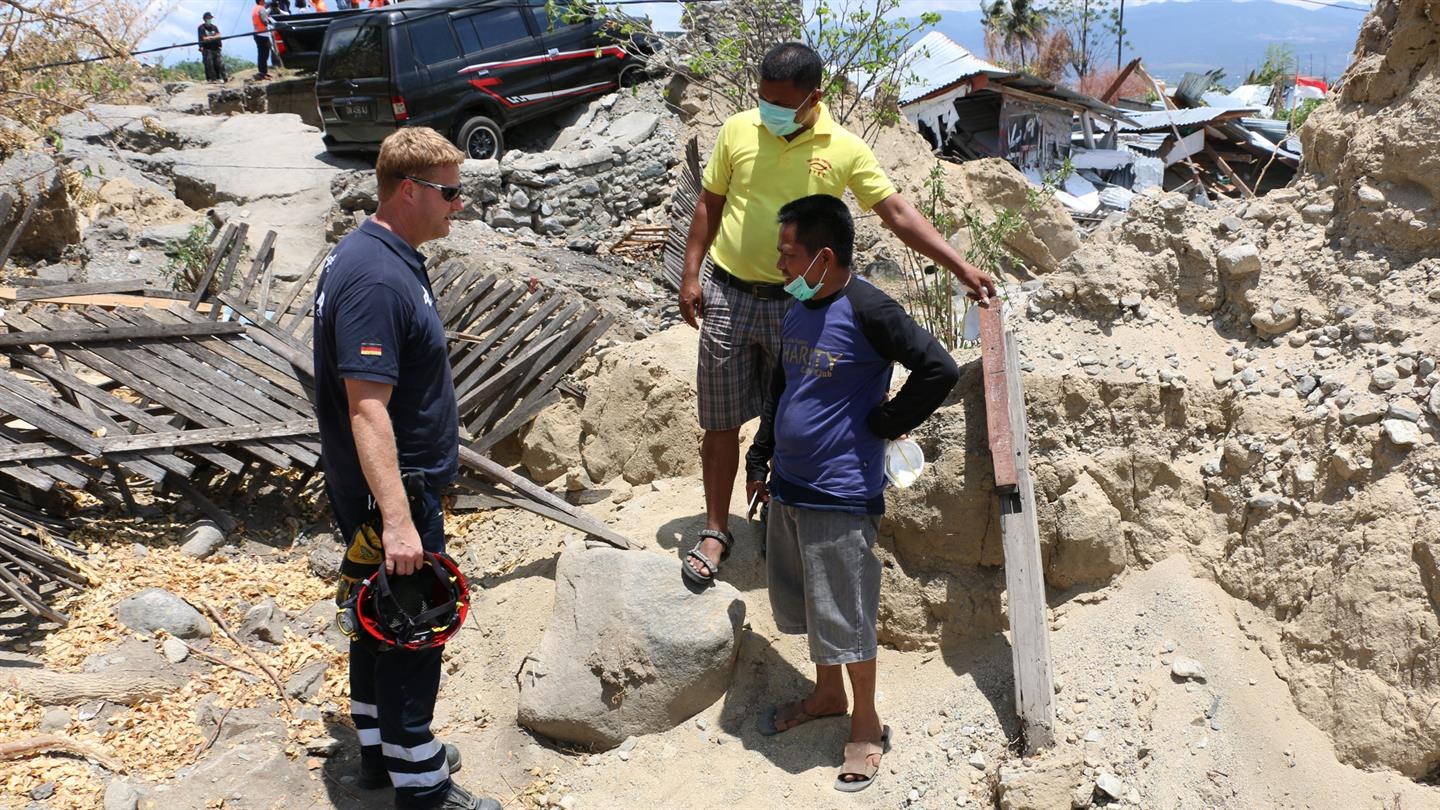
[(802, 291)]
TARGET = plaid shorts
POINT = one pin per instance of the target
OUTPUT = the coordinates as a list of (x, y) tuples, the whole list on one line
[(739, 347)]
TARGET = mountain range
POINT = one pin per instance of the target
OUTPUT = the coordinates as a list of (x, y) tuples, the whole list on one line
[(1176, 37)]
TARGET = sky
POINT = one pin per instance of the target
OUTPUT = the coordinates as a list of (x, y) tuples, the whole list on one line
[(233, 17)]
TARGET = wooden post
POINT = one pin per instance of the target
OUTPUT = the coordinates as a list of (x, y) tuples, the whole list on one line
[(1019, 530)]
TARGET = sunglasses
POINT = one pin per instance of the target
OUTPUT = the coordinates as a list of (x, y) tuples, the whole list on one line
[(447, 193)]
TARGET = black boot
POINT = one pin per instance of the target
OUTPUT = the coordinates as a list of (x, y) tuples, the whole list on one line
[(376, 778)]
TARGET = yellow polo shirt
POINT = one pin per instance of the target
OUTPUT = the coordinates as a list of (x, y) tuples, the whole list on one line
[(757, 173)]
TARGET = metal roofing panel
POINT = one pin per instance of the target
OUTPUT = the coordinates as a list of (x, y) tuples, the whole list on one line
[(936, 61), (1163, 119)]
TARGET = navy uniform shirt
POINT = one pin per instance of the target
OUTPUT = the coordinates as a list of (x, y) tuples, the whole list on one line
[(376, 320)]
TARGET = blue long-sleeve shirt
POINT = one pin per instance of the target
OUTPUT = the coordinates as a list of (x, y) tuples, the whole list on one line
[(826, 419)]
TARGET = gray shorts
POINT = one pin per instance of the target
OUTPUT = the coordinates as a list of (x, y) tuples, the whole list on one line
[(739, 347), (824, 580)]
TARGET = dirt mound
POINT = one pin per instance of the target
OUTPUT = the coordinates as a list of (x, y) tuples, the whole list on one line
[(1376, 144)]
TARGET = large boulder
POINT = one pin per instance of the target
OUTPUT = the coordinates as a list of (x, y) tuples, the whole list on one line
[(629, 649), (1089, 545), (551, 447)]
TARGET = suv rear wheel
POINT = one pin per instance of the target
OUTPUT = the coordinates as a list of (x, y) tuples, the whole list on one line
[(631, 75), (481, 139)]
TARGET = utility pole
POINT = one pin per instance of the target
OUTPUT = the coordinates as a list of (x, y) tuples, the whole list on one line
[(1120, 40)]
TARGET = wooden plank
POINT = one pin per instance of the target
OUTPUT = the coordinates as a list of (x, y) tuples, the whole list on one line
[(219, 354), (1025, 580), (60, 377), (246, 352), (263, 255), (178, 392), (997, 406), (230, 264), (1114, 89), (513, 340), (299, 285), (152, 298), (91, 288), (1210, 150), (119, 333), (559, 368), (576, 519), (202, 286), (515, 420), (487, 388), (186, 438)]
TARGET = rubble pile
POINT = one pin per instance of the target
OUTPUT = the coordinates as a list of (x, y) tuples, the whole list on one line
[(606, 163), (1253, 386)]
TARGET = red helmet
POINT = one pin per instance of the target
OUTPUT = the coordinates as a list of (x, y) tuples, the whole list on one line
[(413, 612)]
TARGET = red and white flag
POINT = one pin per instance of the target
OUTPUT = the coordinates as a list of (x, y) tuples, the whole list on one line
[(1310, 87)]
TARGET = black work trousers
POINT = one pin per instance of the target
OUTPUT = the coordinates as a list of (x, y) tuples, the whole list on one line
[(392, 693), (262, 53)]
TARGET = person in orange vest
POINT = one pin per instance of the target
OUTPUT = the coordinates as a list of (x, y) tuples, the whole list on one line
[(320, 7), (260, 19)]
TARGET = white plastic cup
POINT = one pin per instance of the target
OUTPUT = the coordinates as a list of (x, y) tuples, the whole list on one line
[(904, 462)]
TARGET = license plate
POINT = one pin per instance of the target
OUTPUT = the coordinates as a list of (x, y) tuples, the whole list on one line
[(353, 110)]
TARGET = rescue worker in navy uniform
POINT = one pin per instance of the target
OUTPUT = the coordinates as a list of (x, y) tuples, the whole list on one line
[(209, 42), (389, 428)]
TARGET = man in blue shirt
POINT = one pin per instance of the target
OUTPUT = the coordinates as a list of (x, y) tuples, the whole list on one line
[(824, 426), (389, 436)]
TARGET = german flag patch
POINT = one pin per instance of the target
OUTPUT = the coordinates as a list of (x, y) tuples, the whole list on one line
[(371, 350)]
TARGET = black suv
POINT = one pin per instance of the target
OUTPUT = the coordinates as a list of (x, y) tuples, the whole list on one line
[(468, 69)]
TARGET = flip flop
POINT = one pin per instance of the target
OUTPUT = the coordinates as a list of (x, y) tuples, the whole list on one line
[(858, 763), (713, 566), (794, 710)]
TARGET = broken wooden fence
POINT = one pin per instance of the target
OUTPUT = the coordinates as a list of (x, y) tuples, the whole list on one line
[(1019, 531), (683, 203)]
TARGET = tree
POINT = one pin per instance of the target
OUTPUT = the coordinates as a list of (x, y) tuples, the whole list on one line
[(1277, 68), (38, 32), (1010, 28), (860, 41), (1094, 29)]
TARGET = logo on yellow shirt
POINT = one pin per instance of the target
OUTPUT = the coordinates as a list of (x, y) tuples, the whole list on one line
[(819, 166)]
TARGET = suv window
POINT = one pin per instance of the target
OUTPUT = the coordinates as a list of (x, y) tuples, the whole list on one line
[(489, 29), (432, 40), (353, 53)]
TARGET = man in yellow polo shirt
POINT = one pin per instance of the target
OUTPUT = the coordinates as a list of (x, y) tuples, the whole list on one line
[(786, 149)]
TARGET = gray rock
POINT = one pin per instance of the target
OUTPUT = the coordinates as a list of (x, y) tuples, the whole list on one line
[(55, 719), (305, 684), (1318, 212), (629, 649), (1401, 433), (159, 236), (121, 796), (1370, 197), (42, 791), (1305, 385), (1405, 410), (175, 650), (632, 128), (519, 200), (1362, 412), (1433, 402), (1384, 378), (1187, 668), (977, 761), (154, 609), (1238, 261), (264, 622), (324, 561), (202, 539)]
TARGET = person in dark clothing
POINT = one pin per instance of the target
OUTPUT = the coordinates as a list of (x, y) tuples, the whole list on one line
[(260, 19), (209, 41), (386, 408), (824, 425)]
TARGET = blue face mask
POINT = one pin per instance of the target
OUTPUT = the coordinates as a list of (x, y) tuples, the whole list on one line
[(802, 291), (779, 120)]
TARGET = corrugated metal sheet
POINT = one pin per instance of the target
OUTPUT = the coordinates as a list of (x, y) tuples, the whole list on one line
[(936, 62), (1161, 120)]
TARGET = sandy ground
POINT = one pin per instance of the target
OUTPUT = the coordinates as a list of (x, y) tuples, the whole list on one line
[(1118, 701)]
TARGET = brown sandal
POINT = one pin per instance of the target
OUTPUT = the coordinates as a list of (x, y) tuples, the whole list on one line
[(793, 713), (862, 759)]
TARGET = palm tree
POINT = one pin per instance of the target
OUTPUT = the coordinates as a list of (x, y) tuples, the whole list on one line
[(1017, 24)]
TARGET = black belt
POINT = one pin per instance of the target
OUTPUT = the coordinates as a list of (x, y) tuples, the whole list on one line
[(765, 292)]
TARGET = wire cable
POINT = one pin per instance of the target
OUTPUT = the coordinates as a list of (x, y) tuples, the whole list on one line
[(426, 11)]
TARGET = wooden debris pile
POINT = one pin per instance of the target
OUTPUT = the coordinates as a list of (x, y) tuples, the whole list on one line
[(104, 389)]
